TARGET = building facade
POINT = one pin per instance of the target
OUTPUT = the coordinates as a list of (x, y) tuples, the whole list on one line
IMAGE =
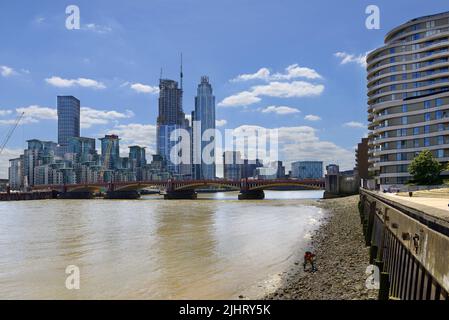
[(68, 121), (307, 170), (171, 117), (203, 121), (408, 97), (361, 159)]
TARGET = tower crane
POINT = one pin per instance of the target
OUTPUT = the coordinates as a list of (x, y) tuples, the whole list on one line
[(11, 131)]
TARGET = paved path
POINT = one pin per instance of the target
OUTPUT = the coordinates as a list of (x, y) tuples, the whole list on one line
[(437, 207)]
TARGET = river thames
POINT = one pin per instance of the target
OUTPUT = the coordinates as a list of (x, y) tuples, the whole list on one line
[(215, 247)]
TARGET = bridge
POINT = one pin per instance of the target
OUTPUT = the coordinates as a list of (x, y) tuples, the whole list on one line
[(176, 189)]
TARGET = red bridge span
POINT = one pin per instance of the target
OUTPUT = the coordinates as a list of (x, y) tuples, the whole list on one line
[(177, 189)]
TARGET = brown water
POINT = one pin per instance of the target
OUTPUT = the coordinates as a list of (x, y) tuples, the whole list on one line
[(152, 248)]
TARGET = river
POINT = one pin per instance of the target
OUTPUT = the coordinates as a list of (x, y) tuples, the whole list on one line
[(215, 247)]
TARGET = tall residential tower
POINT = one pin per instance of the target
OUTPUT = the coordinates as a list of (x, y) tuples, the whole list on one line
[(68, 121), (203, 121), (408, 97)]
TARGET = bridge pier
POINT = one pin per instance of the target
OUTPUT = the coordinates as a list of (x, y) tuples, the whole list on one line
[(251, 195), (128, 194), (76, 195), (181, 195)]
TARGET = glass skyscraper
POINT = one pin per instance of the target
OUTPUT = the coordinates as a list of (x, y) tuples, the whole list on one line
[(171, 117), (203, 118), (68, 121)]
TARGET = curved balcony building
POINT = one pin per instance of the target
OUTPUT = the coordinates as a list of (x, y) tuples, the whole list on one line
[(408, 97)]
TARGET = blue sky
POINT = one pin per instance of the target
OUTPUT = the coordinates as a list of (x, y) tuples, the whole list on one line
[(112, 64)]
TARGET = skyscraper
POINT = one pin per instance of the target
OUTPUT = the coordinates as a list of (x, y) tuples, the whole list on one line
[(203, 118), (408, 98), (68, 121), (171, 117)]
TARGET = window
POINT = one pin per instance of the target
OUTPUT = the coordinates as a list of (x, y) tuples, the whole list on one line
[(440, 140), (416, 143), (404, 120), (426, 142), (427, 116), (438, 114), (440, 127), (440, 153), (426, 104), (404, 108), (416, 131), (439, 102), (426, 129)]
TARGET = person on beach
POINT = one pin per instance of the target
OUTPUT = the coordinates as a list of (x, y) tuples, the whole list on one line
[(309, 258)]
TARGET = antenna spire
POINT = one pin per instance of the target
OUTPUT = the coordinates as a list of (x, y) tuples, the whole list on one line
[(181, 74)]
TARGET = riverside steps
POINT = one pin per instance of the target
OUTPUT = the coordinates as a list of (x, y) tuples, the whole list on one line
[(409, 243), (22, 196)]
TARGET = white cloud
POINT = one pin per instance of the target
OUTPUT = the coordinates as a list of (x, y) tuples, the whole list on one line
[(143, 88), (67, 83), (240, 99), (354, 124), (5, 112), (34, 113), (352, 58), (312, 117), (136, 134), (273, 89), (6, 71), (281, 110), (220, 123), (293, 71), (4, 160), (302, 143), (90, 116), (96, 28)]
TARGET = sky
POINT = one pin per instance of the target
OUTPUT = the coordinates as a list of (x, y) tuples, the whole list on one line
[(297, 66)]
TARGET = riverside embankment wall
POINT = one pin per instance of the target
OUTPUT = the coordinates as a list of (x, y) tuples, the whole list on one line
[(410, 247)]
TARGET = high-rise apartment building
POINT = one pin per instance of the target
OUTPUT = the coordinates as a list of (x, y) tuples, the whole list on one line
[(203, 125), (408, 97), (68, 121)]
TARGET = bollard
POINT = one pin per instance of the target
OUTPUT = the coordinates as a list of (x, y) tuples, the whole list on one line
[(384, 288)]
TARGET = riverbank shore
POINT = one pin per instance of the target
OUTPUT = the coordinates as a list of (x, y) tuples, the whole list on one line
[(341, 259)]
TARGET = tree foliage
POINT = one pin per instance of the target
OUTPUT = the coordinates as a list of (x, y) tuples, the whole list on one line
[(425, 169)]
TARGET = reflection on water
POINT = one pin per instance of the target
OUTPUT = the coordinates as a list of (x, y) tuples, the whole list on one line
[(151, 248)]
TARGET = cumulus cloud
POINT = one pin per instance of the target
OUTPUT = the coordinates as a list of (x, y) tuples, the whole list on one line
[(276, 89), (352, 58), (303, 143), (89, 116), (81, 82), (312, 117), (4, 160), (6, 71), (136, 134), (281, 110), (220, 123), (143, 88), (293, 71), (244, 98), (354, 124), (5, 112)]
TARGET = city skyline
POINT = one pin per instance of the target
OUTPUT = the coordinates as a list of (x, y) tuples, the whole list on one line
[(119, 91)]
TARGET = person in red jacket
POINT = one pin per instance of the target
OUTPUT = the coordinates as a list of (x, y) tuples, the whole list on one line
[(309, 258)]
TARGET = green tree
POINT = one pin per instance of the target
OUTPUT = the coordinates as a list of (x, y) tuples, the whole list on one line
[(425, 169)]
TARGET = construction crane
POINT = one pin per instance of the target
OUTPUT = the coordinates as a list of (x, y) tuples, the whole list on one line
[(11, 131)]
